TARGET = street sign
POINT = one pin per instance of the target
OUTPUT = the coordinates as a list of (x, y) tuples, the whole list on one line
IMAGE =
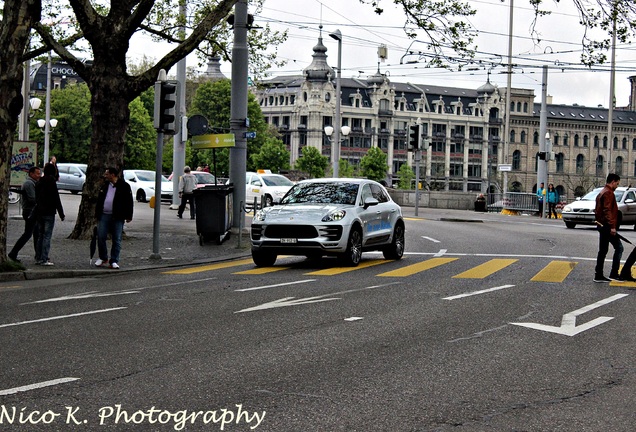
[(249, 135), (213, 141), (504, 167)]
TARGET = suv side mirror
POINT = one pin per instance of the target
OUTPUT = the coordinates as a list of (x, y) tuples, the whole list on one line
[(369, 202)]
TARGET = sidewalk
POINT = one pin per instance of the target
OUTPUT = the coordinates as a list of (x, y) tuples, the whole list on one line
[(178, 242), (178, 246)]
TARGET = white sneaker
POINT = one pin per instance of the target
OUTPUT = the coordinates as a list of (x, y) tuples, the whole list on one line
[(47, 263), (100, 263), (114, 266)]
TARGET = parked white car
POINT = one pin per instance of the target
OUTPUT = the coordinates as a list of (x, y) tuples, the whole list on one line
[(263, 183), (142, 183), (581, 211)]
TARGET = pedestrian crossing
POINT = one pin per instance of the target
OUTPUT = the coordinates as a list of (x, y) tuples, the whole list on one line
[(554, 271)]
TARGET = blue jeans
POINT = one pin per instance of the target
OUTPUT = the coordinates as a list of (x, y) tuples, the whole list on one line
[(107, 224), (45, 231)]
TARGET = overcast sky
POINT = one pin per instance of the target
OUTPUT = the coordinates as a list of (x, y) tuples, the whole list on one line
[(363, 32)]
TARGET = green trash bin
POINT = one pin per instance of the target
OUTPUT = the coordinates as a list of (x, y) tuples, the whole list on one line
[(213, 210)]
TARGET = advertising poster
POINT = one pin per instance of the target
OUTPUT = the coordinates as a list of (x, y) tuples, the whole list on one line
[(23, 157)]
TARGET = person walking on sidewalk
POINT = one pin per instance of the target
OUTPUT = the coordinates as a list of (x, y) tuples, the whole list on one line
[(187, 185), (114, 207), (606, 213), (552, 197), (540, 195), (28, 214), (47, 204)]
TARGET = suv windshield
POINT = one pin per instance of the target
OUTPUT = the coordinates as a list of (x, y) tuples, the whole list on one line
[(324, 193)]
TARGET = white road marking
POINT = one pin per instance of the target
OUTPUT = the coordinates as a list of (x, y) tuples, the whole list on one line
[(36, 386), (277, 285), (441, 252), (431, 239), (353, 319), (61, 317), (293, 301), (91, 294), (568, 325), (458, 296)]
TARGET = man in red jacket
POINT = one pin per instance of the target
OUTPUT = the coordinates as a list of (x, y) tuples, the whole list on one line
[(606, 213)]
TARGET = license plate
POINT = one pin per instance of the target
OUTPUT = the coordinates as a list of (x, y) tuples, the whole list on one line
[(288, 240)]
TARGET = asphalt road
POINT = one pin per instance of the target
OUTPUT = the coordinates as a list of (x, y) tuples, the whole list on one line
[(483, 326)]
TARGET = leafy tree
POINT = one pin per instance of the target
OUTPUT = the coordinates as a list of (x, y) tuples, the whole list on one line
[(212, 100), (405, 176), (312, 162), (345, 169), (141, 139), (15, 26), (373, 165), (273, 156)]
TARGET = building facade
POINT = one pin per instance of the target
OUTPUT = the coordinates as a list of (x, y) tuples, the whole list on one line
[(463, 129)]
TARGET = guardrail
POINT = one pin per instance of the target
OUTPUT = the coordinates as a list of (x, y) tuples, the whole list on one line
[(518, 202)]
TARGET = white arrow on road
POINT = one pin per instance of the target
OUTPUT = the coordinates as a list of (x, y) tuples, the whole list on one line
[(83, 296), (568, 323), (292, 301)]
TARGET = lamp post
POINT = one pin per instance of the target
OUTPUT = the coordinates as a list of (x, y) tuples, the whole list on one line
[(47, 125), (335, 146), (344, 131)]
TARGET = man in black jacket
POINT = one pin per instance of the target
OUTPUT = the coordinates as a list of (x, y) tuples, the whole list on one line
[(47, 204), (114, 207), (28, 205)]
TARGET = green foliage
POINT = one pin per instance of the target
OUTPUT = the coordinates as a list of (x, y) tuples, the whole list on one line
[(405, 176), (141, 138), (273, 156), (213, 100), (312, 162), (11, 266), (345, 169), (373, 165), (70, 139)]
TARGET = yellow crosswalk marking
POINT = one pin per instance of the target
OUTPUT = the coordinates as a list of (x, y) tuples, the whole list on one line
[(486, 269), (261, 270), (340, 270), (555, 271), (210, 267), (418, 267)]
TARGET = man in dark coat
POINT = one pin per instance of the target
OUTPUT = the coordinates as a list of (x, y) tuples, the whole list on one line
[(28, 205), (114, 207)]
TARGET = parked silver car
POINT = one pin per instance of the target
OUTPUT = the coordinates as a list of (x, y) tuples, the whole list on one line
[(341, 217), (72, 176), (581, 211)]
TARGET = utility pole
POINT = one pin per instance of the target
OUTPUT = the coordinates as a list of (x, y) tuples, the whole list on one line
[(238, 113), (542, 163), (179, 140)]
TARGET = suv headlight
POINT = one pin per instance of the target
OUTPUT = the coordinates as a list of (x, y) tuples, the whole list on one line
[(334, 216), (259, 216)]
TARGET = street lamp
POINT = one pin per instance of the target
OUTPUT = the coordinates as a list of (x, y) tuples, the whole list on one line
[(335, 147), (344, 131), (47, 125)]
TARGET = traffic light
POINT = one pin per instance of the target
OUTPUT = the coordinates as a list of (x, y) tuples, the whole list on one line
[(414, 137), (166, 98)]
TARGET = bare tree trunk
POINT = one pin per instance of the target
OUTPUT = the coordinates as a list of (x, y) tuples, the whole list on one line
[(15, 26), (111, 115)]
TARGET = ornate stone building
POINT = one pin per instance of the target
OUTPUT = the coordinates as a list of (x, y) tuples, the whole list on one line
[(464, 128)]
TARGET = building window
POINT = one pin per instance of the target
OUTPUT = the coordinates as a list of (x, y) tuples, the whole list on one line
[(596, 141), (599, 165), (516, 160), (624, 144), (525, 107), (586, 141), (518, 106), (619, 166), (615, 143), (512, 106), (555, 141), (580, 164), (523, 137), (559, 162), (576, 140), (566, 137), (512, 136), (605, 142)]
